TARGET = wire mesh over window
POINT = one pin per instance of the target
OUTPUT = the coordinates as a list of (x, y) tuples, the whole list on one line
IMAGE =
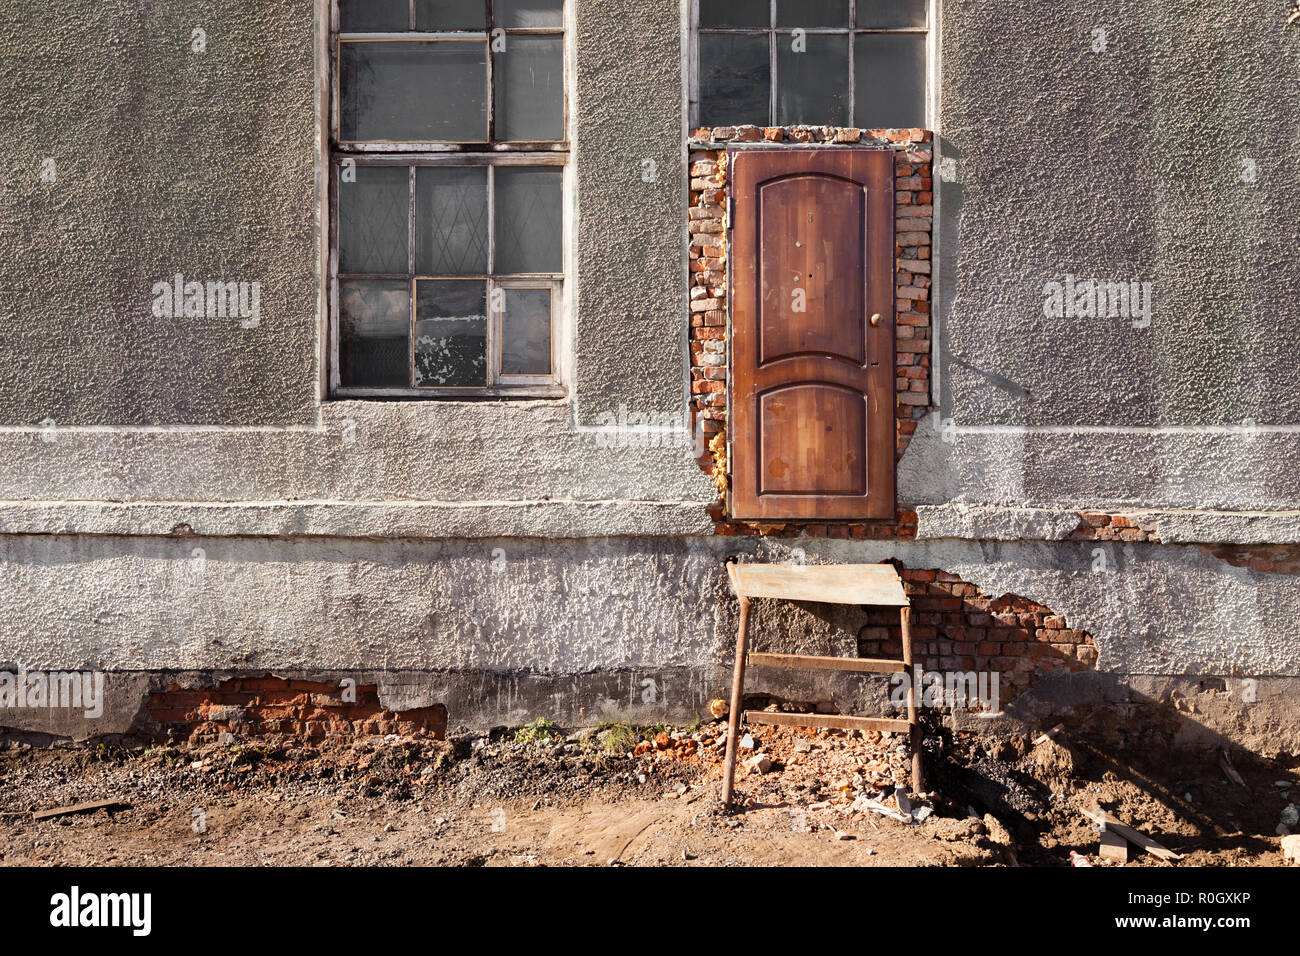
[(449, 150), (820, 62)]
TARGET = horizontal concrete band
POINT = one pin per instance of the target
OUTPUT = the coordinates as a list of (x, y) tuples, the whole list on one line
[(514, 605), (359, 519), (990, 523), (586, 519)]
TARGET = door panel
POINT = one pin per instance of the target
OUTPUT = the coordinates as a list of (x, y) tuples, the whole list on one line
[(811, 441), (827, 215), (812, 383)]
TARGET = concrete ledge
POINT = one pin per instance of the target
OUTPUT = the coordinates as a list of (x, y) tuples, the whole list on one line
[(358, 519), (994, 523)]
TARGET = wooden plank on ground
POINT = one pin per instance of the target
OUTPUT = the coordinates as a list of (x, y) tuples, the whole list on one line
[(871, 584), (826, 721), (1136, 836), (1113, 846), (873, 665), (78, 808)]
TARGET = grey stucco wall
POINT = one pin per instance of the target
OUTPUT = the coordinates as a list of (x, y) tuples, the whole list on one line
[(1127, 141)]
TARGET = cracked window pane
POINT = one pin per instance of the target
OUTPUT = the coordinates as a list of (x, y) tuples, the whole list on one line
[(451, 220), (374, 330), (373, 16), (812, 13), (889, 80), (432, 16), (812, 86), (529, 234), (735, 13), (880, 14), (450, 334), (526, 332), (373, 232), (529, 13), (388, 91), (529, 79), (735, 79)]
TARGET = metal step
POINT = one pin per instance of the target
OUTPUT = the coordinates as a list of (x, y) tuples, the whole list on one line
[(827, 721), (875, 665)]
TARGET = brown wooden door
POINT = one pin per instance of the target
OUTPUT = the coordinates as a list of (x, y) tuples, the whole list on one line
[(812, 326)]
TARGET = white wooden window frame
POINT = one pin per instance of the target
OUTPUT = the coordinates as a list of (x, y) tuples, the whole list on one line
[(434, 153)]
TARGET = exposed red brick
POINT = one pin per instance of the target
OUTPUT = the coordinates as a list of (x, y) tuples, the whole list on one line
[(259, 706)]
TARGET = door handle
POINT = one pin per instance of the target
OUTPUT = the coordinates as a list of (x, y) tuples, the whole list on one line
[(875, 320)]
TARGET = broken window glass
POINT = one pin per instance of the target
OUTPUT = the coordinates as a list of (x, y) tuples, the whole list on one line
[(447, 227), (450, 347)]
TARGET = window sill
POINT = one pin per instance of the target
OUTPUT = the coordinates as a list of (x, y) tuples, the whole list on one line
[(446, 394)]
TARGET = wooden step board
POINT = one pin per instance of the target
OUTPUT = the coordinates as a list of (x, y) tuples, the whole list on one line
[(871, 664), (828, 721), (867, 585)]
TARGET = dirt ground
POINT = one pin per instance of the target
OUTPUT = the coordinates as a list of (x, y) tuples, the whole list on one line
[(532, 799)]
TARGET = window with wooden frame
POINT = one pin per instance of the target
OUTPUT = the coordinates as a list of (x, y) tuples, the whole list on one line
[(447, 228), (823, 62)]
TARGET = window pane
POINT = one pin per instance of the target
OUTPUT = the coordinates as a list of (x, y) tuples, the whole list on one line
[(373, 211), (735, 13), (529, 79), (889, 74), (812, 13), (377, 16), (892, 13), (812, 86), (529, 13), (434, 15), (450, 334), (529, 235), (414, 91), (374, 330), (526, 332), (451, 220), (735, 80)]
